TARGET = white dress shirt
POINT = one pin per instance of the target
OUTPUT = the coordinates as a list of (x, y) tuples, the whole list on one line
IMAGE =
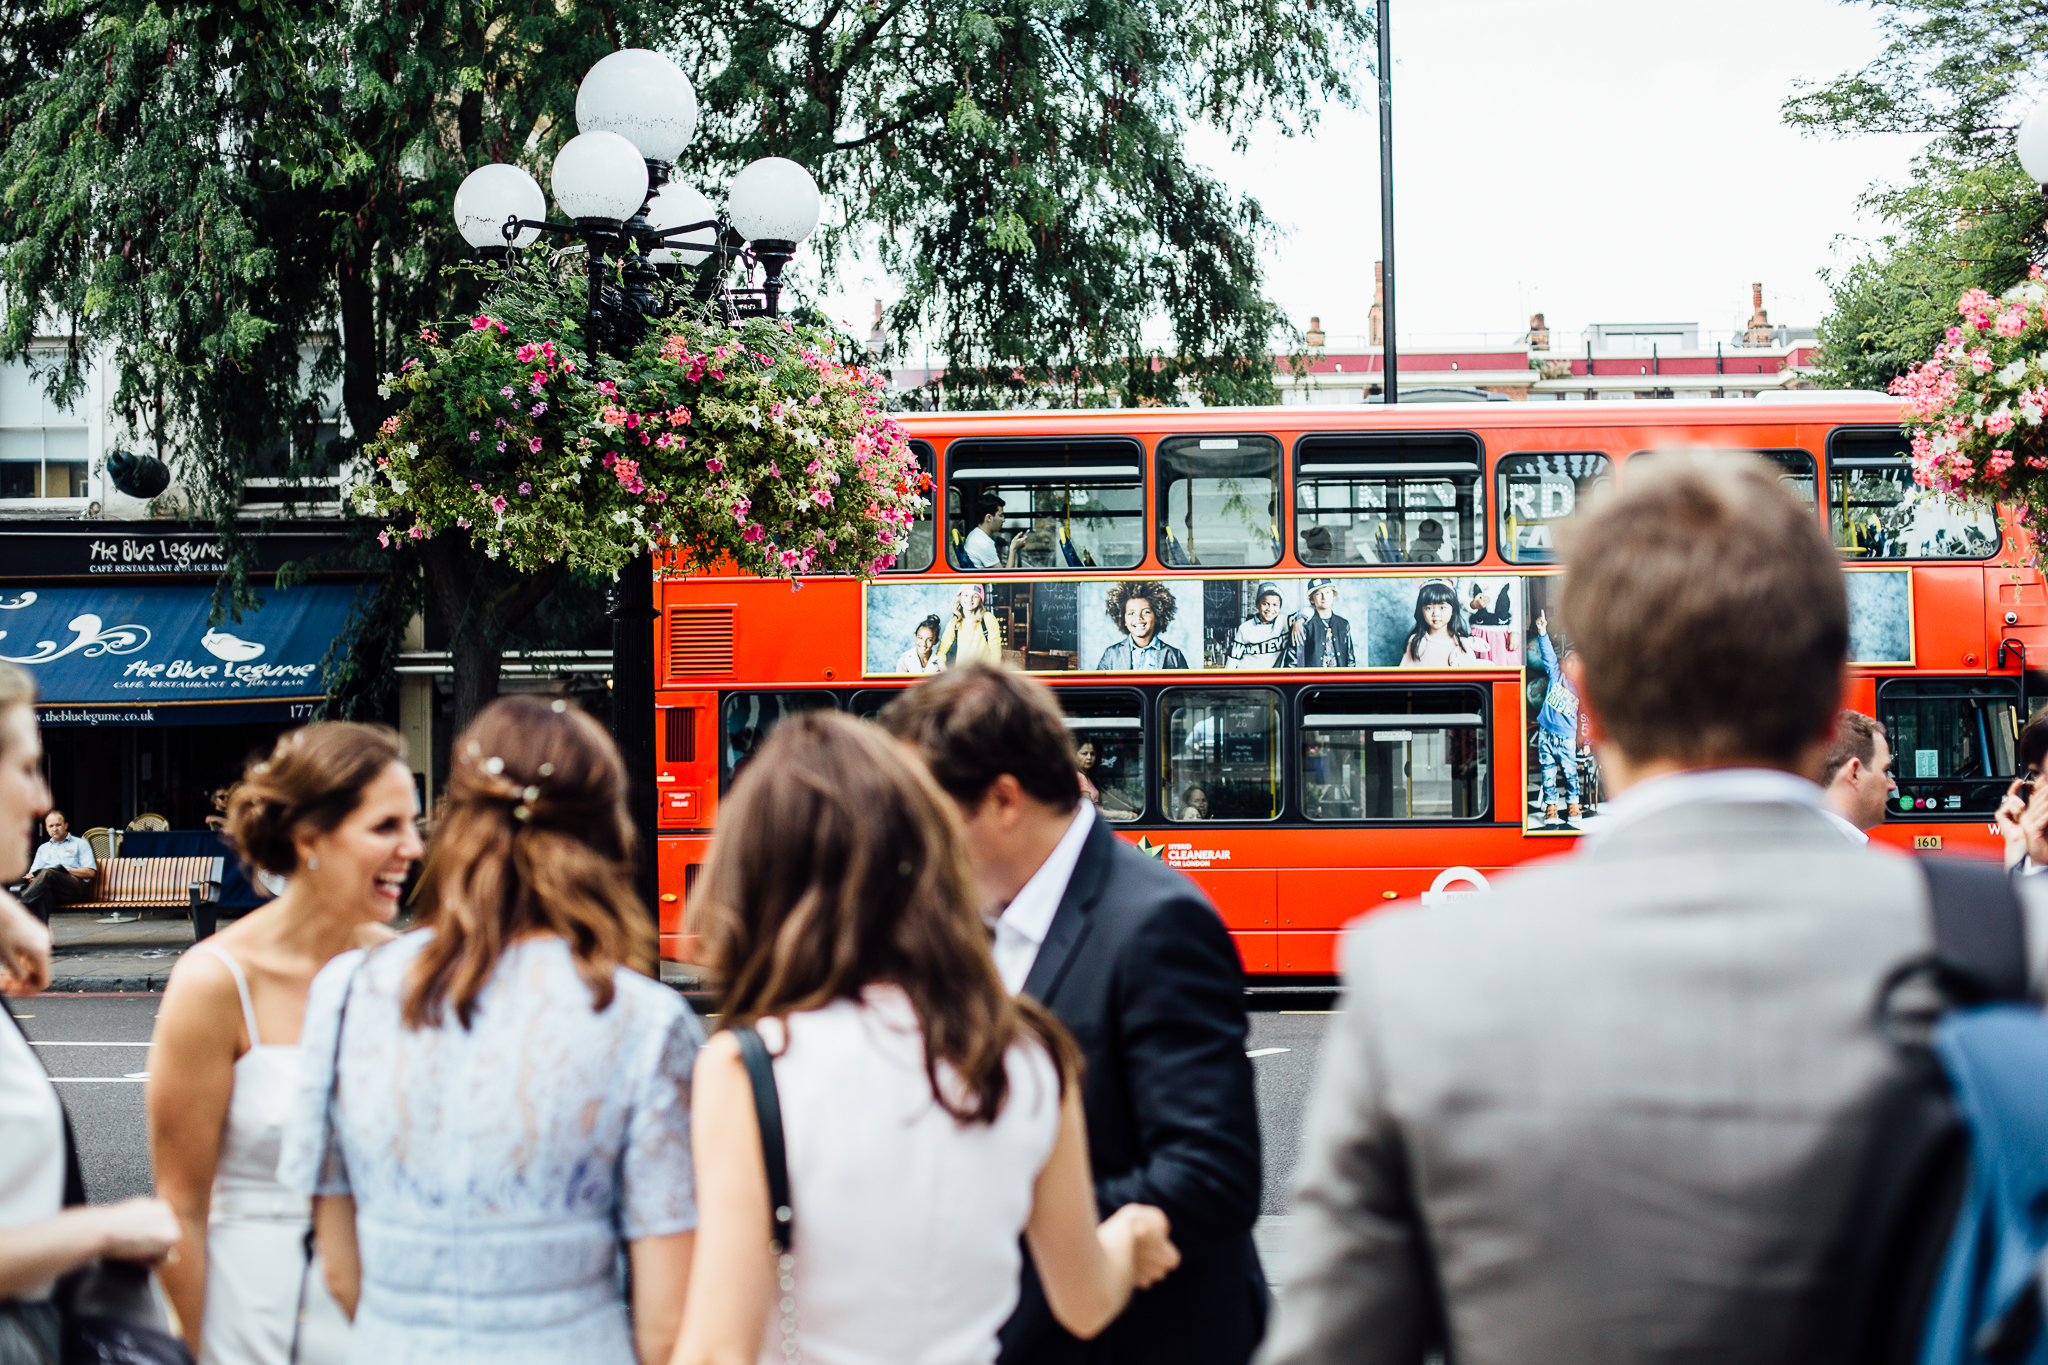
[(1849, 831), (980, 549), (1028, 917), (1703, 785), (31, 1142)]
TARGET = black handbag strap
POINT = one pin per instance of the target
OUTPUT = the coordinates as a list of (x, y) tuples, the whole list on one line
[(768, 1114), (1980, 928)]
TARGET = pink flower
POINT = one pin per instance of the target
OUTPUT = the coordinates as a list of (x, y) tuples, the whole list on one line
[(823, 497), (501, 445), (525, 353), (478, 324), (384, 537), (474, 436), (463, 522), (715, 466), (505, 392), (2011, 323), (680, 417), (498, 504), (539, 408), (525, 489), (753, 533), (416, 533), (774, 469), (1998, 423), (534, 445)]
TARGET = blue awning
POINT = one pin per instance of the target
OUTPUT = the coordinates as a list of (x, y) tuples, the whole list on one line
[(146, 655)]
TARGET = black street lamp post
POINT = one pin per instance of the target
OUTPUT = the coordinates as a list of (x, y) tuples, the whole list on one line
[(636, 111)]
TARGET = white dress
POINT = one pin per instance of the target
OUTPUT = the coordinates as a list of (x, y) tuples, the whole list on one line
[(497, 1169), (256, 1263), (906, 1220)]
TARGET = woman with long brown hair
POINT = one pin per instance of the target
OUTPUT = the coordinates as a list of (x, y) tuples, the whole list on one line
[(497, 1101), (331, 810), (929, 1117)]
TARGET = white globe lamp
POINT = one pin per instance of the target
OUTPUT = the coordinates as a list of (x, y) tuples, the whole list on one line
[(600, 176), (642, 96), (774, 200), (675, 205), (2033, 143), (488, 196)]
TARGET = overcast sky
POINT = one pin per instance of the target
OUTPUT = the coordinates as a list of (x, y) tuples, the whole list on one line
[(1597, 160)]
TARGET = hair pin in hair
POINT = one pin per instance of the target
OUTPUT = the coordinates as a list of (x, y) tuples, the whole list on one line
[(547, 770), (476, 750), (494, 765), (531, 794), (522, 812), (558, 706)]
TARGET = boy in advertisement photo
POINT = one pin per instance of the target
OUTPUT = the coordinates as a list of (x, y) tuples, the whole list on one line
[(1322, 639), (1141, 612), (1557, 730), (1265, 639)]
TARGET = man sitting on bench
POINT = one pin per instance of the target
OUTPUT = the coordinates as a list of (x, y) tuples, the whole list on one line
[(63, 869)]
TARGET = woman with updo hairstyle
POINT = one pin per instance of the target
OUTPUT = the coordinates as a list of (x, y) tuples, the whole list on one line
[(331, 812), (46, 1228), (496, 1104)]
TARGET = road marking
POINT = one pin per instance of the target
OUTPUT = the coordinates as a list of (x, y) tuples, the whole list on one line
[(136, 1079), (34, 1043), (1267, 1051)]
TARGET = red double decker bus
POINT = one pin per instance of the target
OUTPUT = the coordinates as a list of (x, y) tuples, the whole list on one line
[(1307, 653)]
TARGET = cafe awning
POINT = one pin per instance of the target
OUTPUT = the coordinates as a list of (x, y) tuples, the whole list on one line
[(147, 655)]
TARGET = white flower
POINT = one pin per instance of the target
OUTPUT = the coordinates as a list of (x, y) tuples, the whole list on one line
[(620, 517), (2012, 374), (2034, 292), (492, 549), (399, 486), (383, 389)]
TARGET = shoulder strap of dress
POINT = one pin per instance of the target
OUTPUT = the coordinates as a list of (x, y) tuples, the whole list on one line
[(241, 985)]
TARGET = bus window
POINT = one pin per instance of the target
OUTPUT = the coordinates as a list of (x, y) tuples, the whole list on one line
[(868, 704), (1222, 754), (1796, 470), (1389, 499), (1539, 491), (1045, 504), (1382, 754), (924, 535), (1107, 726), (1954, 742), (1219, 501), (746, 718), (1876, 511)]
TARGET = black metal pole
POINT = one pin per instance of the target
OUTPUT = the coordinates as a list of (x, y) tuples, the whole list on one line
[(1390, 355)]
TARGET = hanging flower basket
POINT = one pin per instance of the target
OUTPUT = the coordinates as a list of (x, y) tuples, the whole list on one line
[(721, 444), (1975, 408)]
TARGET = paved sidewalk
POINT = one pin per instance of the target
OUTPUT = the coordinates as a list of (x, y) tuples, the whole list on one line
[(96, 952)]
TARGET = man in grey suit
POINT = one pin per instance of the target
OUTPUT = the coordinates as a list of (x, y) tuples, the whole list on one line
[(1613, 1110)]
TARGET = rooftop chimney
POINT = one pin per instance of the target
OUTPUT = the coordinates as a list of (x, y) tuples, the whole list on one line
[(875, 335), (1375, 316), (1539, 333), (1759, 333), (1315, 336)]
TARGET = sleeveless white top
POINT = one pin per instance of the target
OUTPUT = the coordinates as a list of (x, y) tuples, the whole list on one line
[(906, 1220), (256, 1267)]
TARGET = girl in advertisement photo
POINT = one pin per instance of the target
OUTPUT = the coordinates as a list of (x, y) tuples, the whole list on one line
[(924, 654), (974, 634), (1441, 638)]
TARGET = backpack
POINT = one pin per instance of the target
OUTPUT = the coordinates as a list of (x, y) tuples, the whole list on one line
[(1940, 1260)]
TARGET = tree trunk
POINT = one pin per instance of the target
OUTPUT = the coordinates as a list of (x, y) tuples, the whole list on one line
[(481, 608)]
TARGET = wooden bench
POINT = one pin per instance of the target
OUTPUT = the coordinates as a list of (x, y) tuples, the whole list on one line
[(188, 884)]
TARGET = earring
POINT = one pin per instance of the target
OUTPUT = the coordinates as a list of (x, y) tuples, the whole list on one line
[(312, 864)]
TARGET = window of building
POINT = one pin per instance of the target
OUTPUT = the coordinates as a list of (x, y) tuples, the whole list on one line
[(1221, 759), (1389, 499), (304, 464), (1538, 492), (1219, 501), (1393, 754), (1045, 504), (745, 719), (1107, 726), (1796, 470), (1876, 511), (44, 448), (924, 535), (868, 704), (1954, 743)]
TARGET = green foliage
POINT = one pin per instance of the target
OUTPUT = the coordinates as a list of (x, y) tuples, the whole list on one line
[(718, 443), (1956, 72)]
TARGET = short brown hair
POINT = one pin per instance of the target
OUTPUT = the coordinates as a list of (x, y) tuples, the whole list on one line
[(1856, 737), (976, 723), (313, 778), (839, 865), (533, 837), (1708, 611)]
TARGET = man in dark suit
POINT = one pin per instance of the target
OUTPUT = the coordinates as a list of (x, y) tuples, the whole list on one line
[(1135, 961)]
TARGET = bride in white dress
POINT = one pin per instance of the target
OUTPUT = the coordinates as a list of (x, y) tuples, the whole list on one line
[(333, 811)]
